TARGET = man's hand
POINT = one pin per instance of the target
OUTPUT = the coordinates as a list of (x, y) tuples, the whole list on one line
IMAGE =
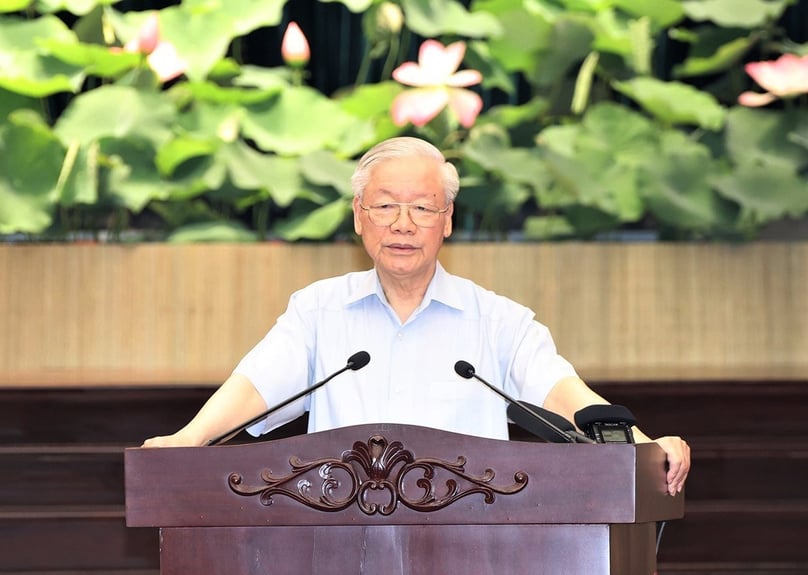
[(678, 454), (234, 402), (178, 439)]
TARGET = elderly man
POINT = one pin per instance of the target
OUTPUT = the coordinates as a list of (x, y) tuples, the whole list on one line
[(415, 320)]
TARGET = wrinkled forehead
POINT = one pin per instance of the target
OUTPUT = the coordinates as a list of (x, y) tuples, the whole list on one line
[(406, 180)]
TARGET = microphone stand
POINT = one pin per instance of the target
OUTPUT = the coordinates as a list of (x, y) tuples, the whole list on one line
[(354, 362), (465, 369)]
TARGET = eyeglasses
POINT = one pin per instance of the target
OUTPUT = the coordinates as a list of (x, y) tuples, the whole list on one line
[(387, 214)]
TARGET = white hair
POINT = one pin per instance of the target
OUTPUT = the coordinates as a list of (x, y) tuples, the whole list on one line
[(403, 147)]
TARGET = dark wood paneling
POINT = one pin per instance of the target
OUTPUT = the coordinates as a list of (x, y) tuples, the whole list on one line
[(732, 413), (77, 541), (744, 532), (63, 475), (122, 417), (746, 509), (749, 472)]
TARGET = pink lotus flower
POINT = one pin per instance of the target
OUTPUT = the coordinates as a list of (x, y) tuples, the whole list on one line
[(782, 78), (294, 46), (160, 54), (437, 84)]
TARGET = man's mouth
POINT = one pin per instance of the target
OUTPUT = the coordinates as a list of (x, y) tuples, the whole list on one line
[(401, 247)]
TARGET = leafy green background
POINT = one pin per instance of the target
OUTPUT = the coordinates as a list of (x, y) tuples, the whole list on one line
[(601, 116)]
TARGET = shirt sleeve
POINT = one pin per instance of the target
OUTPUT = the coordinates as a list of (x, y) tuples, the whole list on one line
[(279, 366), (537, 366)]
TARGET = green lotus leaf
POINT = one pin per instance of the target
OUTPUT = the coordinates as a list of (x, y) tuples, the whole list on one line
[(596, 163), (30, 163), (265, 79), (200, 36), (195, 177), (202, 30), (240, 16), (762, 137), (525, 34), (132, 181), (179, 150), (518, 165), (494, 201), (674, 103), (213, 93), (11, 101), (317, 224), (79, 178), (677, 186), (250, 169), (97, 60), (767, 194), (299, 120), (569, 43), (431, 18), (215, 231), (355, 6), (714, 51), (13, 5), (78, 7), (547, 228), (117, 112), (325, 169), (735, 13), (29, 69), (662, 13)]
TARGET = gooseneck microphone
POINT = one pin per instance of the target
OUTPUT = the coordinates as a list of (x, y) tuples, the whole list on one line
[(357, 361), (538, 425)]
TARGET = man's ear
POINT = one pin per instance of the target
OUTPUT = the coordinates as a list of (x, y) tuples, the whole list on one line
[(357, 222), (447, 225)]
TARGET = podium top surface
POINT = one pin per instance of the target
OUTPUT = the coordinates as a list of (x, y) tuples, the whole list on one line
[(396, 474)]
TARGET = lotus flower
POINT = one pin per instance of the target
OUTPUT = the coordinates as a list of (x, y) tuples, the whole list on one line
[(160, 54), (437, 84), (294, 46), (782, 78)]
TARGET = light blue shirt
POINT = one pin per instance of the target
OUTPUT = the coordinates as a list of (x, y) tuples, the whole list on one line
[(410, 378)]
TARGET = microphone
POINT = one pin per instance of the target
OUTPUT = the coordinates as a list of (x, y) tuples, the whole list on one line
[(606, 423), (357, 361), (549, 431)]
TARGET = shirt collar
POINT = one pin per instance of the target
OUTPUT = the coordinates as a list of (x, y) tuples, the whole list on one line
[(366, 286), (441, 289)]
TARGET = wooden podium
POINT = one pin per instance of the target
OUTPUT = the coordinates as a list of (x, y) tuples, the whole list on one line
[(389, 499)]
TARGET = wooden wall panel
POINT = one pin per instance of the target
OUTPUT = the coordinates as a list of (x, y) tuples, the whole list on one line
[(77, 544), (152, 313)]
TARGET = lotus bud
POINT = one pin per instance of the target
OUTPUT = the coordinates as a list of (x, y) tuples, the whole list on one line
[(294, 46), (389, 17), (149, 34)]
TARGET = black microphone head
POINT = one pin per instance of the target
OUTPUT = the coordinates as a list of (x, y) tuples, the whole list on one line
[(359, 360), (604, 414), (464, 369), (535, 426)]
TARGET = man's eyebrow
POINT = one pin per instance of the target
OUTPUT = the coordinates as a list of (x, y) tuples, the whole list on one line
[(385, 192)]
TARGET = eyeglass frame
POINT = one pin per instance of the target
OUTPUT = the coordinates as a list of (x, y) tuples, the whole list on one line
[(430, 209)]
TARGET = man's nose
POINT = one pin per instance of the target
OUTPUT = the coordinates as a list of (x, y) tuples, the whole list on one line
[(403, 221)]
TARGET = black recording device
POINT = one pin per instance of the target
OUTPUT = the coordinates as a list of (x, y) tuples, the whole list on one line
[(606, 423)]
